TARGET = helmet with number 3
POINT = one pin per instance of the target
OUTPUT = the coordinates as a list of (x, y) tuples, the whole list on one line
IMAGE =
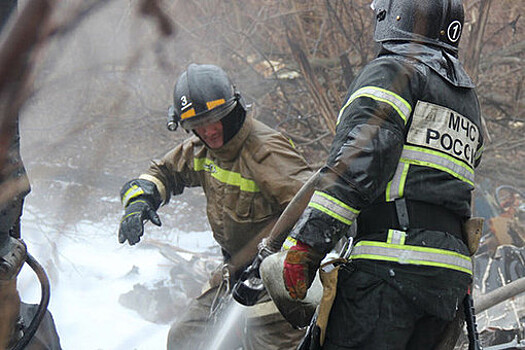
[(434, 22), (203, 94)]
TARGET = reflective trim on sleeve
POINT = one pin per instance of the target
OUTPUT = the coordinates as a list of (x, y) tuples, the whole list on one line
[(333, 207), (133, 192), (400, 105), (225, 176), (412, 255), (438, 160), (395, 188), (479, 152), (288, 243)]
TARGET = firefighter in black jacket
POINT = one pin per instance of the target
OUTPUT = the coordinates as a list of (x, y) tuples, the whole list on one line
[(401, 164), (14, 186)]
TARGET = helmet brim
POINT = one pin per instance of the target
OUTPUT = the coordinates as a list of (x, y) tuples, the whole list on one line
[(210, 116)]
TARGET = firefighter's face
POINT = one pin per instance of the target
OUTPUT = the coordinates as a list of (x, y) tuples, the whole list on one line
[(211, 134)]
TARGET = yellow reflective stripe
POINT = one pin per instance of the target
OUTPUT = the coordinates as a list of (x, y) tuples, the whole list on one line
[(130, 214), (133, 213), (133, 192), (330, 213), (333, 207), (289, 242), (188, 114), (399, 104), (336, 201), (215, 103), (479, 152), (225, 176), (437, 160), (412, 255), (396, 187), (396, 237)]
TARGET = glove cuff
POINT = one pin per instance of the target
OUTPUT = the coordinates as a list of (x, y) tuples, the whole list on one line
[(312, 255), (301, 246), (143, 189)]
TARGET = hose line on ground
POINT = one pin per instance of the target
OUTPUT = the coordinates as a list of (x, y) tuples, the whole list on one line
[(30, 331)]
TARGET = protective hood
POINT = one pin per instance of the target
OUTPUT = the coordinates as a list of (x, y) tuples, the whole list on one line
[(439, 60), (231, 149), (232, 123)]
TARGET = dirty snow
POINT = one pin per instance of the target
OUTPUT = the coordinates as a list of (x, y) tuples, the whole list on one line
[(88, 271)]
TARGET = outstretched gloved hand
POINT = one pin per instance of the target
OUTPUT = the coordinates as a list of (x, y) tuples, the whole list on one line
[(300, 266), (132, 223), (141, 200)]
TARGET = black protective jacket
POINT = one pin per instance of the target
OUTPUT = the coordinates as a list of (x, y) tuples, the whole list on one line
[(409, 129)]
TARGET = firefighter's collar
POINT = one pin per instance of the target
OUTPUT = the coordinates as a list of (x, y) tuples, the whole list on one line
[(440, 61)]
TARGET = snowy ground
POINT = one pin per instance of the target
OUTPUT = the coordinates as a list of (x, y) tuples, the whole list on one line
[(89, 270)]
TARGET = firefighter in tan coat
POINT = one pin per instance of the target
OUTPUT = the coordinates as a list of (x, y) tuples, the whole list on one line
[(249, 173)]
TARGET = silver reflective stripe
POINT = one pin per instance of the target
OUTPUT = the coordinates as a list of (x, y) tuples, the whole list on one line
[(396, 237), (438, 160), (333, 207), (395, 188), (401, 106), (412, 255), (132, 192)]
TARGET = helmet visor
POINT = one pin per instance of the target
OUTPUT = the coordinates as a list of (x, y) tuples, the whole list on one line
[(191, 120)]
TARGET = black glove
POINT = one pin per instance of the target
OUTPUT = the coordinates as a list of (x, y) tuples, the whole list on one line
[(249, 286), (140, 199)]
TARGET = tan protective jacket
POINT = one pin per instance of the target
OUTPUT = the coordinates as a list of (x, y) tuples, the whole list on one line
[(247, 182)]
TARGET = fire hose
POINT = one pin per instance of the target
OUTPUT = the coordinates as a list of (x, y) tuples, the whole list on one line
[(30, 331), (250, 286)]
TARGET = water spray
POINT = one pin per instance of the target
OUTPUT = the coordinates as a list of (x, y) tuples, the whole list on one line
[(230, 316)]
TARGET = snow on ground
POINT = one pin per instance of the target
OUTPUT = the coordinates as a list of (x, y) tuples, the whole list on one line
[(88, 271)]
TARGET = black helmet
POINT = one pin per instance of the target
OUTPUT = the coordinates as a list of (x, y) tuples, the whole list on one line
[(435, 22), (203, 94)]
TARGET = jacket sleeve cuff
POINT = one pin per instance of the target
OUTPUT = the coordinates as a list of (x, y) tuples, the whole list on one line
[(160, 186), (320, 234)]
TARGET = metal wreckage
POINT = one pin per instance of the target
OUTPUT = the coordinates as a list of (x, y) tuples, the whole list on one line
[(499, 268), (499, 265)]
